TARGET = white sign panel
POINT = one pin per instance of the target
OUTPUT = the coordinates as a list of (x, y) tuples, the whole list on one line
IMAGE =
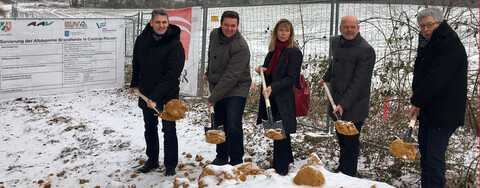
[(189, 21), (52, 56)]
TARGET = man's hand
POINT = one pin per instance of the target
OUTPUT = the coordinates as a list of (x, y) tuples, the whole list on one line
[(320, 83), (414, 111), (132, 90), (338, 109), (210, 104), (205, 78), (267, 91), (151, 104)]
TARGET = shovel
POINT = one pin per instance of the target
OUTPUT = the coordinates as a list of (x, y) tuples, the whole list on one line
[(343, 127), (174, 109), (214, 134), (273, 129), (403, 148)]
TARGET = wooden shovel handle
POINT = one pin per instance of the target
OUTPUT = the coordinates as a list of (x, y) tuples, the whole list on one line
[(412, 121), (137, 92), (329, 96), (267, 101)]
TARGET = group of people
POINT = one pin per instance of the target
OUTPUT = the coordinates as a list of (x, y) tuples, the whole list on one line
[(438, 99)]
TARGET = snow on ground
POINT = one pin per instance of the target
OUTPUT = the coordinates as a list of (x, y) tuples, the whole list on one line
[(95, 138)]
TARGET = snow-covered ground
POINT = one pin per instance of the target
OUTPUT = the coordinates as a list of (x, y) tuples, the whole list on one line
[(95, 138)]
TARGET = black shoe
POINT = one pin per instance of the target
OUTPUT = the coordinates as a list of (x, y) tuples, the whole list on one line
[(170, 172), (148, 167), (218, 161), (233, 163), (337, 170)]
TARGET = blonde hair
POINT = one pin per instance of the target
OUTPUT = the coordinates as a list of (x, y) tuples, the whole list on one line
[(273, 40)]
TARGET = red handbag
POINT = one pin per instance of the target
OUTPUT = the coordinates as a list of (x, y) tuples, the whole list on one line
[(302, 97)]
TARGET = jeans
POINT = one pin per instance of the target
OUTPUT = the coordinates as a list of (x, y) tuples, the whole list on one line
[(433, 143), (349, 151), (228, 112), (170, 141)]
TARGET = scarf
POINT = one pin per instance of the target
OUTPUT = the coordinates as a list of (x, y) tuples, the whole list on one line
[(279, 46), (422, 41)]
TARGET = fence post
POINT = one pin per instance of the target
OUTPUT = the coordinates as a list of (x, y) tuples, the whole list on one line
[(204, 44)]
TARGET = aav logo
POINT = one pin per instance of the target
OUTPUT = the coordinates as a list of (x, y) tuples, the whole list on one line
[(5, 26), (100, 25), (67, 33), (40, 23), (75, 25)]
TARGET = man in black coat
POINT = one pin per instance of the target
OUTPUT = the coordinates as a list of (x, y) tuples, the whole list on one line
[(158, 60), (350, 73), (439, 92)]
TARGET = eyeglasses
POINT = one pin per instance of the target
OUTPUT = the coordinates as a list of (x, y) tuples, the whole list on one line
[(429, 25)]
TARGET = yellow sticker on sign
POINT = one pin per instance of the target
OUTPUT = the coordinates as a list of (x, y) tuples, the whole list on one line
[(214, 18)]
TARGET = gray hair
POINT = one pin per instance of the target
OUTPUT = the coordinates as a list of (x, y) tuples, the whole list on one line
[(432, 11), (159, 11)]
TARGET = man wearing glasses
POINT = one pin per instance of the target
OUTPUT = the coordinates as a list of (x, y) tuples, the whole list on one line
[(439, 92)]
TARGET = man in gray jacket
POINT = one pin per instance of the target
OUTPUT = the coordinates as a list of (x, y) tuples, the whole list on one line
[(350, 73), (228, 75)]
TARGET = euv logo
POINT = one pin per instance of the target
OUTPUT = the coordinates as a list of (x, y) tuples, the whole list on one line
[(40, 23), (75, 25), (100, 25), (5, 26), (67, 33)]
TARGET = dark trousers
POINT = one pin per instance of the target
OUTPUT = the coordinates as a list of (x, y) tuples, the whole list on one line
[(170, 142), (433, 143), (228, 112), (349, 151), (282, 154)]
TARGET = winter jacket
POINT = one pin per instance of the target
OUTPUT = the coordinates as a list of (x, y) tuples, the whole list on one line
[(228, 70), (440, 79), (283, 79), (157, 65), (350, 74)]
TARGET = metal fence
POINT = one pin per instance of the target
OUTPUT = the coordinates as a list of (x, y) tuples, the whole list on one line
[(316, 22)]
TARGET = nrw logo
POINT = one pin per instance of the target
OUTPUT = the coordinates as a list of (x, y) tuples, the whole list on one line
[(5, 26), (67, 33), (100, 25), (76, 25), (40, 23)]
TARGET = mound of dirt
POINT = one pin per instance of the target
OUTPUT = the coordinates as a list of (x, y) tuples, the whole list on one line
[(310, 174), (313, 160), (218, 174)]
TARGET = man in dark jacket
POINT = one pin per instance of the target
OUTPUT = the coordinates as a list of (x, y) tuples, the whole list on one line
[(439, 92), (350, 73), (228, 75), (158, 60)]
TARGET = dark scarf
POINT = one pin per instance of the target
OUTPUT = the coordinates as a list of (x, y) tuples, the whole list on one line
[(422, 41), (156, 36), (279, 46)]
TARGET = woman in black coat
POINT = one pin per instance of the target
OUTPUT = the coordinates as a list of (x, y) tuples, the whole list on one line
[(282, 66)]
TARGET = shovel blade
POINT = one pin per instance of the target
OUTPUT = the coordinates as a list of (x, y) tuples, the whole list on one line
[(275, 125)]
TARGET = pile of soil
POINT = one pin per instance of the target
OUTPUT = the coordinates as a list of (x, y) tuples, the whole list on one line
[(310, 173)]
